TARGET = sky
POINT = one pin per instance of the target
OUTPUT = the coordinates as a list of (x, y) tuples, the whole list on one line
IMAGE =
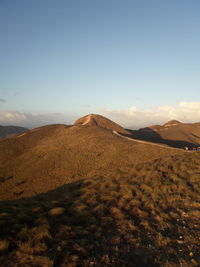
[(136, 62)]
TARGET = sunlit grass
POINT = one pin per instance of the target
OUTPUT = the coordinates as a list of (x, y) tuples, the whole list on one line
[(147, 216)]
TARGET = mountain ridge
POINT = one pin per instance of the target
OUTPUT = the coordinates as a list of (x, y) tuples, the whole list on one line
[(61, 153), (87, 195), (173, 133), (7, 131), (100, 121)]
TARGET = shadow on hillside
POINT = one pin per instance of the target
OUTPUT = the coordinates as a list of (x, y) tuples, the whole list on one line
[(147, 134), (69, 233), (4, 179)]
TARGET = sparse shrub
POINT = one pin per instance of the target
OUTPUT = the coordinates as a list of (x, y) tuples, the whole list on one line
[(56, 211), (4, 245), (116, 213)]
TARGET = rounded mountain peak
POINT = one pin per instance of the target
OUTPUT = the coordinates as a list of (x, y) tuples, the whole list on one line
[(100, 121), (172, 123)]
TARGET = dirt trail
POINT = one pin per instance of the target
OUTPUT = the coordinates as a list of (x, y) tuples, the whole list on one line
[(21, 135), (87, 120), (146, 142)]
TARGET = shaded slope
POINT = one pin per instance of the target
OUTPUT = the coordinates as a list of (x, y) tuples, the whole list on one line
[(173, 133), (7, 131)]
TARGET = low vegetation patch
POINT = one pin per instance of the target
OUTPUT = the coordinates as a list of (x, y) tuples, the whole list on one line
[(147, 215)]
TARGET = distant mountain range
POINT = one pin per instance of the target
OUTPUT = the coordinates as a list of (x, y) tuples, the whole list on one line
[(61, 153), (92, 143), (173, 133), (7, 131)]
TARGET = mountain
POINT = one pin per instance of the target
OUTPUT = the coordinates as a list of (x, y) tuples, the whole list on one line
[(87, 195), (173, 133), (172, 123), (7, 131), (100, 121), (50, 156)]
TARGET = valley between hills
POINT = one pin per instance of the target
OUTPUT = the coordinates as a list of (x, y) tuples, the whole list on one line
[(96, 194)]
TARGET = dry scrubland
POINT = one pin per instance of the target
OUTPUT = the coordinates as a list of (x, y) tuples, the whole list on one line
[(82, 196), (51, 156), (148, 216)]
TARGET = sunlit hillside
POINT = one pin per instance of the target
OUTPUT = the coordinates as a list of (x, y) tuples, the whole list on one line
[(83, 195)]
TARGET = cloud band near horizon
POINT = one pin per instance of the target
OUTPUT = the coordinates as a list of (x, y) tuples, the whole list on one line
[(188, 112)]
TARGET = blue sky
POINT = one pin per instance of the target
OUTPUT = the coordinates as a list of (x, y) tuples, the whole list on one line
[(77, 57)]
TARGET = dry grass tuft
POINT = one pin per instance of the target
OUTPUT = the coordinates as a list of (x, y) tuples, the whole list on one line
[(149, 219)]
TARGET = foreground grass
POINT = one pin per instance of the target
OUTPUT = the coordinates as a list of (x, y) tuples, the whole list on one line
[(143, 216)]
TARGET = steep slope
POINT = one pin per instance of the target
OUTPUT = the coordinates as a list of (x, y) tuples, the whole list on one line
[(100, 121), (172, 133), (7, 131)]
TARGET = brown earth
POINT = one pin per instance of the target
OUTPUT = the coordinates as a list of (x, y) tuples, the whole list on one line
[(83, 196)]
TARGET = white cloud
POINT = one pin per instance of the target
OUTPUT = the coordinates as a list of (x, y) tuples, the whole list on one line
[(132, 117), (32, 120), (137, 118)]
